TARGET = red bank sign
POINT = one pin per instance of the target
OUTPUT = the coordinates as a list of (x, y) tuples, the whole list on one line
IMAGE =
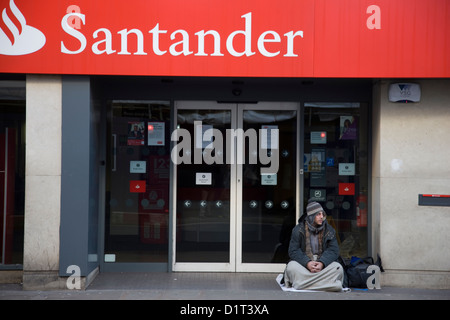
[(251, 38)]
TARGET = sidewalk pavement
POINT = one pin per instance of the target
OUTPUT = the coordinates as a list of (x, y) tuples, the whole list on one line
[(207, 286)]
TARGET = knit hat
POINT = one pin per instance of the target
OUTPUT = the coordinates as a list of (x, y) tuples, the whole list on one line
[(314, 207)]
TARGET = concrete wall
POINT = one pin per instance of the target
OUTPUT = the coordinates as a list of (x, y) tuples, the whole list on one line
[(42, 181), (43, 192), (411, 156)]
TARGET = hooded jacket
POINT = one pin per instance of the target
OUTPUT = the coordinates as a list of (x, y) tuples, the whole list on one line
[(297, 245)]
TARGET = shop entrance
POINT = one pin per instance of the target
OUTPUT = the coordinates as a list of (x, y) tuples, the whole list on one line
[(236, 185), (184, 186)]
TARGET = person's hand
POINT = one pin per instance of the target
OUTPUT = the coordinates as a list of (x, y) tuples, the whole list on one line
[(310, 266), (314, 266)]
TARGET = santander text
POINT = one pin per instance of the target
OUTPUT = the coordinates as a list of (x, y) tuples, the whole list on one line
[(104, 43)]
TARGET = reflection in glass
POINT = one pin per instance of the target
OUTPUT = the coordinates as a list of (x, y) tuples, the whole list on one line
[(203, 191), (137, 198), (336, 170), (12, 177)]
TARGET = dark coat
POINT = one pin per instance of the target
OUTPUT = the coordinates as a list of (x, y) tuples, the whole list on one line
[(330, 247)]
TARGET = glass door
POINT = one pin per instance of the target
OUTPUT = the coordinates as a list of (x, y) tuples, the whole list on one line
[(205, 187), (268, 200), (235, 193)]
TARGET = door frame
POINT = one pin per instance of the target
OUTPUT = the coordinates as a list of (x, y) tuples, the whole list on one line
[(235, 262), (261, 106), (205, 266)]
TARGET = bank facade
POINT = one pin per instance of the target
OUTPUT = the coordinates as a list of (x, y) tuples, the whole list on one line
[(189, 138)]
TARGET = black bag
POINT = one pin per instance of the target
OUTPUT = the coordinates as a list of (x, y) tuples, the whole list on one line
[(356, 271)]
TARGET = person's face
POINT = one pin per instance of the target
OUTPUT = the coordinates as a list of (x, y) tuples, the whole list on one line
[(318, 219)]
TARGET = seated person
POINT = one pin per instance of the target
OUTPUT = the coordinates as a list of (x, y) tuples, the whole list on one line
[(313, 251)]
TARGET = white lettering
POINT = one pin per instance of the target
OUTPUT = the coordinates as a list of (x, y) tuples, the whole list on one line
[(216, 137), (201, 43), (209, 146), (247, 36), (239, 136), (262, 39), (192, 310), (290, 43), (184, 43), (238, 42), (183, 148), (156, 32), (107, 41), (124, 41), (74, 33)]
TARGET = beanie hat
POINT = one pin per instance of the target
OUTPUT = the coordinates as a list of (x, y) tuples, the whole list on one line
[(313, 207)]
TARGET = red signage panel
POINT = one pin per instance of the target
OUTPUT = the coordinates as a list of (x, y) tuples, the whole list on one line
[(382, 38), (257, 38), (137, 186), (346, 189)]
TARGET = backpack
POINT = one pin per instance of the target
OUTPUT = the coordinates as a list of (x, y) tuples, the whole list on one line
[(356, 271)]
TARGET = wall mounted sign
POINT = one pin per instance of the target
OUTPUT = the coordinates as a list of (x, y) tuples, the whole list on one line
[(252, 38), (434, 200)]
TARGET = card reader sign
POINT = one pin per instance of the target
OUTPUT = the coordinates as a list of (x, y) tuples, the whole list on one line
[(269, 179), (346, 169), (138, 166), (203, 178)]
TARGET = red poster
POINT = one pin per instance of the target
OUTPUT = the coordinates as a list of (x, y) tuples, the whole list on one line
[(136, 133), (137, 186), (346, 189)]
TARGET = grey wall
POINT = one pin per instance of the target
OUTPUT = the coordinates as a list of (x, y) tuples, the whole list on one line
[(79, 177)]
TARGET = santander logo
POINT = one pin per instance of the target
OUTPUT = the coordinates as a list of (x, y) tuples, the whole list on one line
[(18, 38)]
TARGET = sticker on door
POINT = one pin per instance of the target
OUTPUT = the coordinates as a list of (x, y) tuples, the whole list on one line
[(137, 186), (346, 189)]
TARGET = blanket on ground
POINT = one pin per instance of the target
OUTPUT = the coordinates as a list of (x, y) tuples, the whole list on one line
[(284, 288)]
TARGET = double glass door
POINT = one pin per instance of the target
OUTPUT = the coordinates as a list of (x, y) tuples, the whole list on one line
[(235, 185)]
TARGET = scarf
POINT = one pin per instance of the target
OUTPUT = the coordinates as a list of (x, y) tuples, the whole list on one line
[(314, 239)]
